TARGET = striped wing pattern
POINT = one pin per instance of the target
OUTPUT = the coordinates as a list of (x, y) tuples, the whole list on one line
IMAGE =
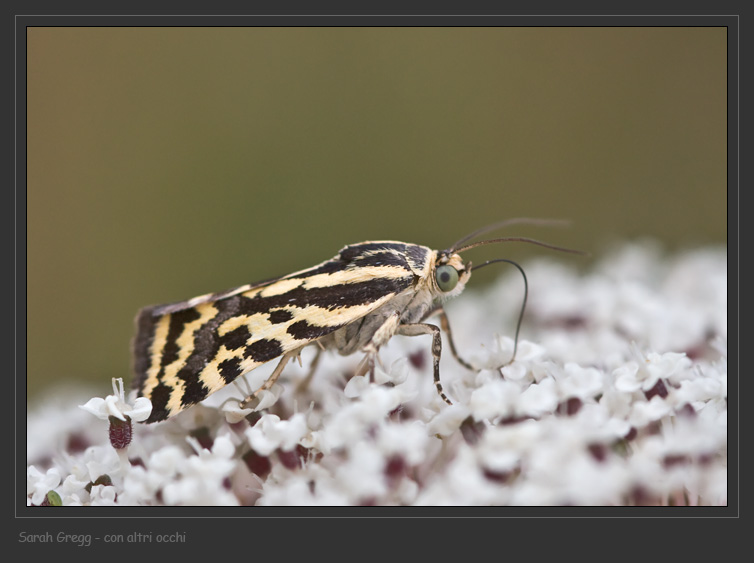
[(185, 351)]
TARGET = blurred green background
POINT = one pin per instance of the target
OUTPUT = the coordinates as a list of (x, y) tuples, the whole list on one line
[(165, 163)]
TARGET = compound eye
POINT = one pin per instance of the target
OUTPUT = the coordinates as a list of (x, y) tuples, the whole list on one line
[(447, 278)]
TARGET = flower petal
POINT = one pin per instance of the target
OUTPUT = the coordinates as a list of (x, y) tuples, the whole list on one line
[(141, 410), (96, 406)]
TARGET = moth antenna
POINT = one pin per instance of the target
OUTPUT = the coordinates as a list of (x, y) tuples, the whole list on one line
[(520, 239), (523, 304), (507, 222)]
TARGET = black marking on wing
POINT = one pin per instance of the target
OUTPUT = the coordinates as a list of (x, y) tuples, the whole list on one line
[(159, 397), (146, 323), (302, 330), (417, 255), (330, 298), (236, 338), (381, 259), (230, 369), (280, 316), (354, 251), (263, 350), (177, 322)]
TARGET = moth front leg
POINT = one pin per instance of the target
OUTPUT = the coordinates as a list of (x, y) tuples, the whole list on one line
[(445, 324), (418, 329)]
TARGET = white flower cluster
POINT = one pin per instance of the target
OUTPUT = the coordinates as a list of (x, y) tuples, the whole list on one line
[(617, 396)]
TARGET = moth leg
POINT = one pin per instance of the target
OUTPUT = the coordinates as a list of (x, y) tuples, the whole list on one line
[(367, 364), (304, 383), (445, 325), (370, 362), (252, 400), (364, 366), (384, 333), (423, 328)]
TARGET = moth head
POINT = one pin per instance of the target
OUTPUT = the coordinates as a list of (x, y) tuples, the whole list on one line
[(450, 274)]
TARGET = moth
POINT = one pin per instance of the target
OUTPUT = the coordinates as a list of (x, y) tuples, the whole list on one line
[(354, 302)]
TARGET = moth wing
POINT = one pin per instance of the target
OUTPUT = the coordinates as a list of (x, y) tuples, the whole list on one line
[(185, 351)]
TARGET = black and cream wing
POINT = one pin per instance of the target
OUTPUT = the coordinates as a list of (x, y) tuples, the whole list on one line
[(185, 351)]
